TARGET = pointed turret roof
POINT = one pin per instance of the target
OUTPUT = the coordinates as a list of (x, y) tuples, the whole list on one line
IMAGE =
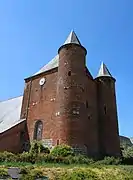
[(103, 71), (72, 38)]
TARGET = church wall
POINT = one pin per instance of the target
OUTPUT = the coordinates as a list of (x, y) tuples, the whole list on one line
[(92, 113), (10, 140), (108, 120), (41, 102), (26, 96), (44, 102)]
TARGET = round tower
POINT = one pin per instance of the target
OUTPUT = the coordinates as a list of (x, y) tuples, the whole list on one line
[(108, 120), (70, 109)]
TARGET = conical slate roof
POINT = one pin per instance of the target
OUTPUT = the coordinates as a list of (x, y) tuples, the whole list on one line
[(72, 38), (103, 71)]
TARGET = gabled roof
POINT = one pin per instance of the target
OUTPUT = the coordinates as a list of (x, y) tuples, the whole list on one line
[(10, 113), (72, 38), (103, 71)]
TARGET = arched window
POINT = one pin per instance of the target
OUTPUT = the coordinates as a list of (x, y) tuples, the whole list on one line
[(38, 130)]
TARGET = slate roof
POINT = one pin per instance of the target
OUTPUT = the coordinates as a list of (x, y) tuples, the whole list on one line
[(51, 65), (72, 38), (103, 71), (131, 139), (10, 113)]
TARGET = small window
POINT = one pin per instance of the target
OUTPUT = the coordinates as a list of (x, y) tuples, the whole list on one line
[(69, 73), (82, 89), (89, 117), (58, 142), (22, 135), (105, 110), (87, 104)]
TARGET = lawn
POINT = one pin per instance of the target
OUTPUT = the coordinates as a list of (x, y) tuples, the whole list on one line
[(72, 172)]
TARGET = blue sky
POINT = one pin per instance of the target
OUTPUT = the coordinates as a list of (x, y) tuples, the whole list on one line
[(31, 31)]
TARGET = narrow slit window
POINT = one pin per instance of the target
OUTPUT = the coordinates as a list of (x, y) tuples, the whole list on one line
[(87, 104), (105, 110), (69, 73), (58, 142), (89, 117)]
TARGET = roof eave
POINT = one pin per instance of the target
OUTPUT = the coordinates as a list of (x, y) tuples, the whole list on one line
[(41, 73)]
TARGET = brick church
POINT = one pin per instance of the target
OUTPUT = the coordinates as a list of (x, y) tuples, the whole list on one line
[(63, 104)]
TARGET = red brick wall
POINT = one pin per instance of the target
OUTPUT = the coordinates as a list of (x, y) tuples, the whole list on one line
[(69, 89), (92, 113), (108, 121), (41, 101), (26, 98), (72, 93), (10, 139)]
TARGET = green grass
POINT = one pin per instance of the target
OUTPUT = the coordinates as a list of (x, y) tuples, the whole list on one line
[(49, 165), (22, 164), (57, 171)]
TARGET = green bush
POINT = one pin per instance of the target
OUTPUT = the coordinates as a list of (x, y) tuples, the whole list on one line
[(3, 173), (30, 173), (79, 174), (62, 150), (108, 161), (27, 157), (58, 155), (37, 147), (79, 159), (47, 158), (7, 157), (62, 154), (127, 152)]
